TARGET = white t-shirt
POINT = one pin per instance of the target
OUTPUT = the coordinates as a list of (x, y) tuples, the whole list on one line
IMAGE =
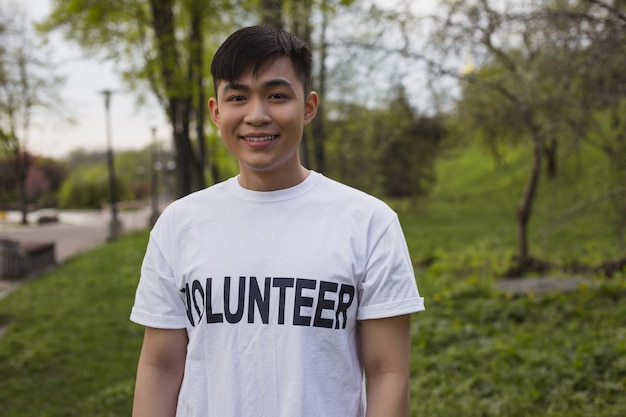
[(270, 287)]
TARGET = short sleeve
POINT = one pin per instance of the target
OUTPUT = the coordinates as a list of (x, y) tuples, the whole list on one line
[(158, 301), (388, 288)]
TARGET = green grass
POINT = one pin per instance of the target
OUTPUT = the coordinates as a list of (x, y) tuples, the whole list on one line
[(471, 214), (69, 349), (477, 352), (480, 354)]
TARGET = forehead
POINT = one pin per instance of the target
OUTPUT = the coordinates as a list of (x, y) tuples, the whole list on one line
[(280, 68)]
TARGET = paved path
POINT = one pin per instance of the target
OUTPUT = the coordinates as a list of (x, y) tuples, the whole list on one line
[(76, 232), (528, 286)]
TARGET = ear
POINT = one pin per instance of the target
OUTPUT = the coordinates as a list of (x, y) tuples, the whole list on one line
[(310, 107), (215, 112)]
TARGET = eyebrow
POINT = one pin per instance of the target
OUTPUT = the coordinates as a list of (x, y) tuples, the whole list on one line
[(277, 82)]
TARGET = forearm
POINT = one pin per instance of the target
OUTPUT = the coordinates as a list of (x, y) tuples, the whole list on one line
[(388, 395), (160, 372), (156, 391), (386, 353)]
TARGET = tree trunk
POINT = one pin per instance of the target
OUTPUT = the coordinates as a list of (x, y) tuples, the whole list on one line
[(21, 160), (525, 208), (301, 19), (183, 155), (272, 13), (300, 12), (319, 128), (178, 96), (550, 150), (197, 80)]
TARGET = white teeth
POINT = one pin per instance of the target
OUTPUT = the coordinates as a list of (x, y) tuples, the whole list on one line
[(259, 138)]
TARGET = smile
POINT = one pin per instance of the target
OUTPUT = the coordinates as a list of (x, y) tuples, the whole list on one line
[(259, 138)]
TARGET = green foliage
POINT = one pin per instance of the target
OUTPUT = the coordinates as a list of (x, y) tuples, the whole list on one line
[(164, 50), (610, 136), (226, 164), (485, 111), (543, 76), (88, 187), (469, 220), (489, 355), (352, 149), (478, 352), (132, 167), (130, 164), (410, 147), (388, 151)]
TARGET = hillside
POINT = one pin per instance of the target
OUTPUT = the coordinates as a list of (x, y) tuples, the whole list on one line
[(472, 211), (481, 352)]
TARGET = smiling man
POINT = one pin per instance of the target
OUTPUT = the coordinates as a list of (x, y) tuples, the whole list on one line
[(261, 117), (279, 292)]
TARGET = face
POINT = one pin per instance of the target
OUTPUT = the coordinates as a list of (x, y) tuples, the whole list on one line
[(261, 119)]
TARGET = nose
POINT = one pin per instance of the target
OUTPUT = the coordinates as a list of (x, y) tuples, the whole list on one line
[(256, 113)]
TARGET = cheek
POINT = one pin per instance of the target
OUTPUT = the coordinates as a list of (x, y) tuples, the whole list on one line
[(225, 124)]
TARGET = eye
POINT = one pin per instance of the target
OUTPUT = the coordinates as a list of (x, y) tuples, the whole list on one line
[(278, 96), (236, 98)]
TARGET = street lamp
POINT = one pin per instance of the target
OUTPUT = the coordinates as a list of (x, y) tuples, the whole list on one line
[(115, 225), (154, 179)]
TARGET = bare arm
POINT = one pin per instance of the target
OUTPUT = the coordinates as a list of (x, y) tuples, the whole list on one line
[(386, 354), (160, 372)]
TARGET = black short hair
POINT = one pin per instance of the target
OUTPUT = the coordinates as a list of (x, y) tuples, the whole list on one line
[(255, 46)]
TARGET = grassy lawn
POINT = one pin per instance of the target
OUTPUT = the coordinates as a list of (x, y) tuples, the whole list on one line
[(477, 352), (69, 349)]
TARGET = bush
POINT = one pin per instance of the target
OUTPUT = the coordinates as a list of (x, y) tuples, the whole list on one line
[(88, 187)]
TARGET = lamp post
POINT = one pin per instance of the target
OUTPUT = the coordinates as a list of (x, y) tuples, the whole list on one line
[(154, 179), (114, 225)]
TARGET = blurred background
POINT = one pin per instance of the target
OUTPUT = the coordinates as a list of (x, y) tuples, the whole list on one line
[(495, 128), (99, 95)]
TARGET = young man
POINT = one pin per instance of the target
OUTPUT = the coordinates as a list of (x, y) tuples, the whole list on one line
[(273, 293)]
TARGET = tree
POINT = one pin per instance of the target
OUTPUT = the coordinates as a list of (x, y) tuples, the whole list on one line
[(353, 150), (54, 173), (87, 187), (388, 151), (27, 82), (318, 128), (522, 90), (300, 13), (545, 71), (594, 32), (42, 180), (163, 44), (410, 145), (271, 12)]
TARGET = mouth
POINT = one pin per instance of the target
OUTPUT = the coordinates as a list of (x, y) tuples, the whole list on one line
[(266, 138)]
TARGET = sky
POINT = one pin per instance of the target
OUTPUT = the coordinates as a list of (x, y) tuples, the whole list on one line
[(131, 126)]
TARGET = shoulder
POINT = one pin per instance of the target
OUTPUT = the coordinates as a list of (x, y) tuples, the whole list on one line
[(214, 194), (186, 211), (342, 195), (349, 210)]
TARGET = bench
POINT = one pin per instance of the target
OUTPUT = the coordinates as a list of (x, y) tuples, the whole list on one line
[(20, 259), (39, 256)]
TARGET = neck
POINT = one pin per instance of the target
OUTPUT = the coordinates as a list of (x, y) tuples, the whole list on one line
[(268, 181)]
